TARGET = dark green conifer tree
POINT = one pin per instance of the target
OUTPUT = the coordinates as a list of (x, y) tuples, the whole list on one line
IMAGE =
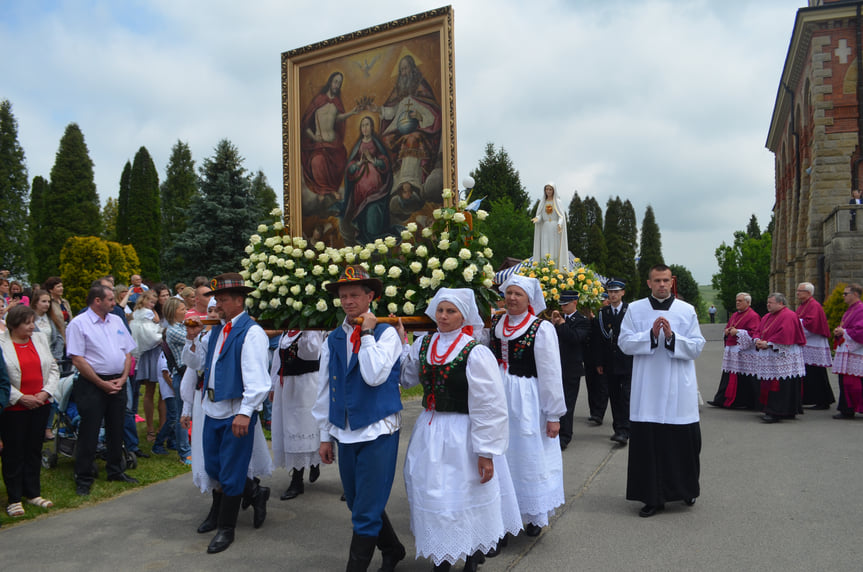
[(650, 250), (122, 227), (178, 191), (144, 229), (496, 177), (14, 189)]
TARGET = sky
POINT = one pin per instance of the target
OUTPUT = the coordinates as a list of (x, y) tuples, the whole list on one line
[(662, 102)]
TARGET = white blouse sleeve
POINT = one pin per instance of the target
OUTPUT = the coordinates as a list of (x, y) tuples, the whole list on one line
[(486, 403), (549, 375)]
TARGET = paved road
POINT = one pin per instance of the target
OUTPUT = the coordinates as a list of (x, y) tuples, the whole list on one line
[(774, 497)]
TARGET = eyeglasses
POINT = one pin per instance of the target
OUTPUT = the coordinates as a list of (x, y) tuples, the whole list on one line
[(846, 293)]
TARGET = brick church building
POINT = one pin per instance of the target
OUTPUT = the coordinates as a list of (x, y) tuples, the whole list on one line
[(816, 135)]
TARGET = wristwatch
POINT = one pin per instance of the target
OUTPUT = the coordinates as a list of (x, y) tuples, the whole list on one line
[(367, 332)]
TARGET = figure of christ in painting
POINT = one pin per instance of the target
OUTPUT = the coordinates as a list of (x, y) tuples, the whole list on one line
[(411, 125), (323, 132), (368, 181)]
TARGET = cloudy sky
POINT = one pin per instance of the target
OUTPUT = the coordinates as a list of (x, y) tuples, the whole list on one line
[(664, 102)]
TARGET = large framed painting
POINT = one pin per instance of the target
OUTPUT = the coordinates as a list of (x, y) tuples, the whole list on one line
[(368, 130)]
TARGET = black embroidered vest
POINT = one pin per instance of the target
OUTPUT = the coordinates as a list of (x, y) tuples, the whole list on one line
[(445, 386), (522, 361), (292, 364)]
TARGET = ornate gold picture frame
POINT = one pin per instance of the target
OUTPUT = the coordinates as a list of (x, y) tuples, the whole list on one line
[(369, 130)]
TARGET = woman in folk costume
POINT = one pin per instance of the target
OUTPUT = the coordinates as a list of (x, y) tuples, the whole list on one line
[(458, 484), (296, 438), (529, 356), (261, 464), (549, 234)]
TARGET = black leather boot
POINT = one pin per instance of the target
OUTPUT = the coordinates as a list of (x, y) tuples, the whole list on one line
[(259, 504), (250, 491), (392, 550), (296, 488), (472, 562), (228, 512), (362, 550), (212, 521)]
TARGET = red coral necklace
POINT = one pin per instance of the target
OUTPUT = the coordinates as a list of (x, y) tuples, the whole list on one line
[(510, 330), (438, 359)]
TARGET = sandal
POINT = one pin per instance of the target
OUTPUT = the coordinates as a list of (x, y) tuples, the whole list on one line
[(40, 502), (15, 509), (151, 436)]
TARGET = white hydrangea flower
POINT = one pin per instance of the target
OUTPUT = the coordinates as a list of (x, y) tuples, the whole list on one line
[(321, 306), (464, 254), (394, 272), (408, 308), (450, 264), (412, 226), (416, 267), (380, 269), (390, 291)]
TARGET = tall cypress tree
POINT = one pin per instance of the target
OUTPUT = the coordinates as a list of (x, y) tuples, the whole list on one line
[(14, 189), (619, 239), (36, 226), (597, 252), (577, 228), (122, 229), (222, 218), (263, 195), (650, 251), (70, 205), (178, 191), (496, 177), (144, 215)]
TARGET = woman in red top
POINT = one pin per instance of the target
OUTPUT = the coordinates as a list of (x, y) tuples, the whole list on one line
[(34, 378)]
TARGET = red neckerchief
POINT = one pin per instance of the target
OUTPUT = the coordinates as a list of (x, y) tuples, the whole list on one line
[(355, 338)]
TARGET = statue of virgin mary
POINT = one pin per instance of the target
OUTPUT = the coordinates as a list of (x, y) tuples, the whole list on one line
[(549, 235)]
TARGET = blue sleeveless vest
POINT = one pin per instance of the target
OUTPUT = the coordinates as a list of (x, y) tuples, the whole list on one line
[(351, 398), (229, 385)]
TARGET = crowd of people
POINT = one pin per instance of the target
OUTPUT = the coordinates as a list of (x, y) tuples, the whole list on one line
[(498, 401)]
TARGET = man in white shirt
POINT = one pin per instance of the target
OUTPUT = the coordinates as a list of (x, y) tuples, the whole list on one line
[(359, 406), (236, 381)]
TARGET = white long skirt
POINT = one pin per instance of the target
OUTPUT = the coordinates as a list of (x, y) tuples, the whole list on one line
[(452, 514), (534, 459), (261, 464), (295, 434)]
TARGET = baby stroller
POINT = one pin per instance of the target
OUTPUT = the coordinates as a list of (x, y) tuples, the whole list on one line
[(66, 420)]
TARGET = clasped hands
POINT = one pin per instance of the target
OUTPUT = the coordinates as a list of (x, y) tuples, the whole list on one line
[(661, 324)]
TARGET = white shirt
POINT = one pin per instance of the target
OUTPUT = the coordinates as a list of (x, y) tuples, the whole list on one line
[(254, 362), (376, 360)]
